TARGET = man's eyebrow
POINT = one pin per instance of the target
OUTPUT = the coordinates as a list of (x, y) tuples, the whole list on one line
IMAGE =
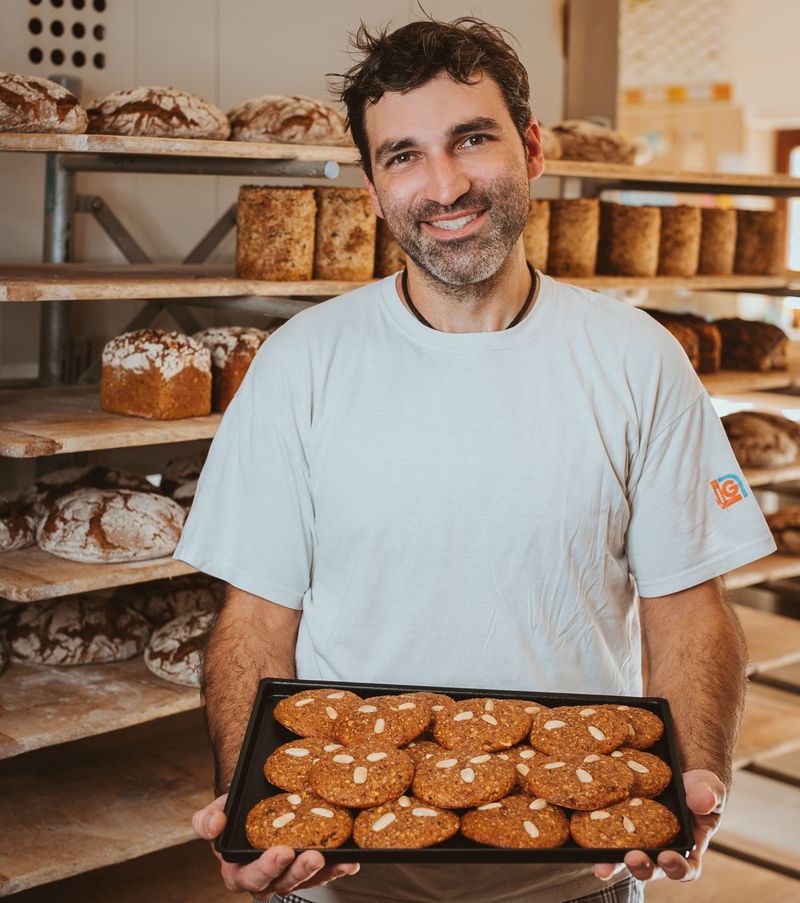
[(480, 124)]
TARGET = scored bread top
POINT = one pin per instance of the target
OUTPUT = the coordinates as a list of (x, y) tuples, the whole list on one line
[(295, 119), (32, 104), (225, 341), (167, 352)]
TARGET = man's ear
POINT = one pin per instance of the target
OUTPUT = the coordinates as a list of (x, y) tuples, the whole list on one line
[(373, 195), (533, 148)]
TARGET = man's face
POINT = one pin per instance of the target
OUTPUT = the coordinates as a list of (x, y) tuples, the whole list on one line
[(450, 176)]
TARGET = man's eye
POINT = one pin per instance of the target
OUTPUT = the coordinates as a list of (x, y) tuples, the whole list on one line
[(475, 140), (400, 158)]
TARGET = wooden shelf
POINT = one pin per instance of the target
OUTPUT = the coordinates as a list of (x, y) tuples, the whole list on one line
[(740, 283), (783, 766), (37, 422), (739, 382), (771, 725), (774, 567), (45, 705), (772, 640), (28, 575), (109, 799)]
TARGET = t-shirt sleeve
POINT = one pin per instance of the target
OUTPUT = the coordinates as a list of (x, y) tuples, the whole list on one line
[(251, 522), (693, 515)]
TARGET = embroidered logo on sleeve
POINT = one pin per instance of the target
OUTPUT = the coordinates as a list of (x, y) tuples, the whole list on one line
[(728, 490)]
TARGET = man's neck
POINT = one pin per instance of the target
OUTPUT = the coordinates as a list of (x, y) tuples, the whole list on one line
[(487, 306)]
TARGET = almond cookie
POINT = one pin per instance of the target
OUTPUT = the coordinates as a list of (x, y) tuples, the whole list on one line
[(517, 821), (313, 713), (644, 727), (287, 767), (636, 823), (571, 730), (384, 719), (362, 776), (437, 701), (529, 706), (651, 775), (297, 820), (578, 783), (520, 757), (462, 778), (487, 724), (404, 823), (423, 749)]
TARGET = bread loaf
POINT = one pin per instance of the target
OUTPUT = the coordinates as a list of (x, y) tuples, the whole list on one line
[(232, 351), (104, 525), (717, 241), (294, 120), (785, 526), (184, 494), (688, 341), (535, 235), (180, 469), (752, 345), (708, 337), (344, 245), (551, 144), (156, 374), (629, 238), (679, 241), (32, 104), (389, 256), (153, 112), (582, 140), (164, 600), (759, 242), (572, 240), (17, 527), (175, 651), (760, 442), (39, 496)]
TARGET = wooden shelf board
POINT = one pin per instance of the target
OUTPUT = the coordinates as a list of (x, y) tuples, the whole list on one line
[(737, 382), (773, 567), (28, 575), (772, 640), (766, 476), (73, 808), (37, 422), (694, 283), (43, 705), (771, 725), (784, 765), (786, 674)]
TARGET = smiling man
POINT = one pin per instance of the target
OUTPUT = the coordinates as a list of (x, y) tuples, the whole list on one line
[(469, 474)]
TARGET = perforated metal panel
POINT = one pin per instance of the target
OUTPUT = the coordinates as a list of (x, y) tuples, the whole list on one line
[(66, 35)]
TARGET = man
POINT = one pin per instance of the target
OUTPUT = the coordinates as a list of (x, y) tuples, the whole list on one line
[(456, 480)]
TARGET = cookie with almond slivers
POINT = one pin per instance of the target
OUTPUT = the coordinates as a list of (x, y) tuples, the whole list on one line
[(651, 775), (644, 727), (385, 719), (437, 701), (529, 706), (636, 824), (517, 821), (297, 820), (571, 730), (287, 766), (487, 724), (404, 823), (314, 713), (586, 782), (423, 749), (361, 777), (458, 779), (521, 757)]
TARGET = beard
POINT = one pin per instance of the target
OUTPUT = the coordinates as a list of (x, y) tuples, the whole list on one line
[(474, 258)]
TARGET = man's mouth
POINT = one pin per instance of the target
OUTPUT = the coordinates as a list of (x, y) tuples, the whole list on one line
[(453, 224)]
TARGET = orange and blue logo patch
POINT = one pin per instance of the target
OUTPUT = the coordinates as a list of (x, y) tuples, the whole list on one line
[(728, 490)]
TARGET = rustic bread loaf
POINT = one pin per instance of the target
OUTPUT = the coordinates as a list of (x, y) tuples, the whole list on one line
[(708, 336), (572, 240), (717, 241), (3, 656), (344, 244), (582, 140), (181, 469), (294, 120), (759, 242), (154, 112), (679, 241), (759, 441), (629, 238), (232, 351), (752, 345), (77, 630), (184, 494), (156, 374), (688, 340), (32, 104), (17, 526), (106, 525), (389, 256), (536, 233), (785, 526), (39, 496), (175, 651), (164, 600), (551, 144)]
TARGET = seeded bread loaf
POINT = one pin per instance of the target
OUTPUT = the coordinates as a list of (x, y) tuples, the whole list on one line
[(155, 112), (752, 345), (679, 241), (32, 104), (175, 651), (17, 526), (759, 441), (629, 238), (717, 241), (232, 351), (38, 497), (344, 245), (104, 525), (389, 256), (294, 120), (156, 374), (572, 239), (536, 233), (582, 140), (759, 242)]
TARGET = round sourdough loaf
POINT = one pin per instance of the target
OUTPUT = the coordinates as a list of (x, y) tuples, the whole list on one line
[(40, 496), (179, 470), (17, 526), (106, 525), (164, 600), (584, 140), (294, 120), (155, 112), (175, 650), (32, 104), (77, 630)]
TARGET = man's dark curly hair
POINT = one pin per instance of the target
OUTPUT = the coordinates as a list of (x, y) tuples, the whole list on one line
[(412, 55)]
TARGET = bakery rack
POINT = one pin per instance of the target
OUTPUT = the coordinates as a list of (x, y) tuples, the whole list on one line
[(141, 801)]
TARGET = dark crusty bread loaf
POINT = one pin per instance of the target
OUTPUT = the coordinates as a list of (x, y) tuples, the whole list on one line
[(161, 601), (295, 120), (688, 340), (762, 440), (17, 526), (752, 345), (708, 336), (629, 238), (582, 140), (175, 650), (32, 104), (785, 526), (232, 351)]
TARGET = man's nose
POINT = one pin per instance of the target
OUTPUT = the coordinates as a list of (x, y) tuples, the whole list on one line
[(446, 180)]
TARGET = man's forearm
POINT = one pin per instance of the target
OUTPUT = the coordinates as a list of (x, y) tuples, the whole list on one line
[(697, 661), (252, 638)]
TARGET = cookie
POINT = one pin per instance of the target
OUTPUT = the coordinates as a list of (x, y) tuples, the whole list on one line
[(404, 823), (572, 730), (517, 821), (644, 727), (287, 767), (578, 783), (462, 778), (437, 701), (487, 724), (384, 719), (636, 823), (651, 775), (297, 820), (529, 706), (362, 776), (520, 757), (423, 749), (313, 713)]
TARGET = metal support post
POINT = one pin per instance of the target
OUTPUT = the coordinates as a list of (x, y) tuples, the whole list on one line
[(222, 166), (204, 248), (108, 221)]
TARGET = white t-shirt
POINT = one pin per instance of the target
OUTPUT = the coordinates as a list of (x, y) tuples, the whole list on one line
[(471, 510)]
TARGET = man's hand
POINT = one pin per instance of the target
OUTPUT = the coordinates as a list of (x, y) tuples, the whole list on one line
[(276, 871), (705, 797)]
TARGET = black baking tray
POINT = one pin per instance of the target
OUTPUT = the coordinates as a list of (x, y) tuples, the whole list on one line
[(264, 734)]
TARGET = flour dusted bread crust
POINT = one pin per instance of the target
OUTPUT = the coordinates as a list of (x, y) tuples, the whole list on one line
[(759, 442), (155, 112), (156, 374), (295, 120), (17, 526), (164, 600), (40, 496), (32, 104), (344, 246), (583, 140), (232, 351), (102, 525), (175, 650), (77, 630)]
